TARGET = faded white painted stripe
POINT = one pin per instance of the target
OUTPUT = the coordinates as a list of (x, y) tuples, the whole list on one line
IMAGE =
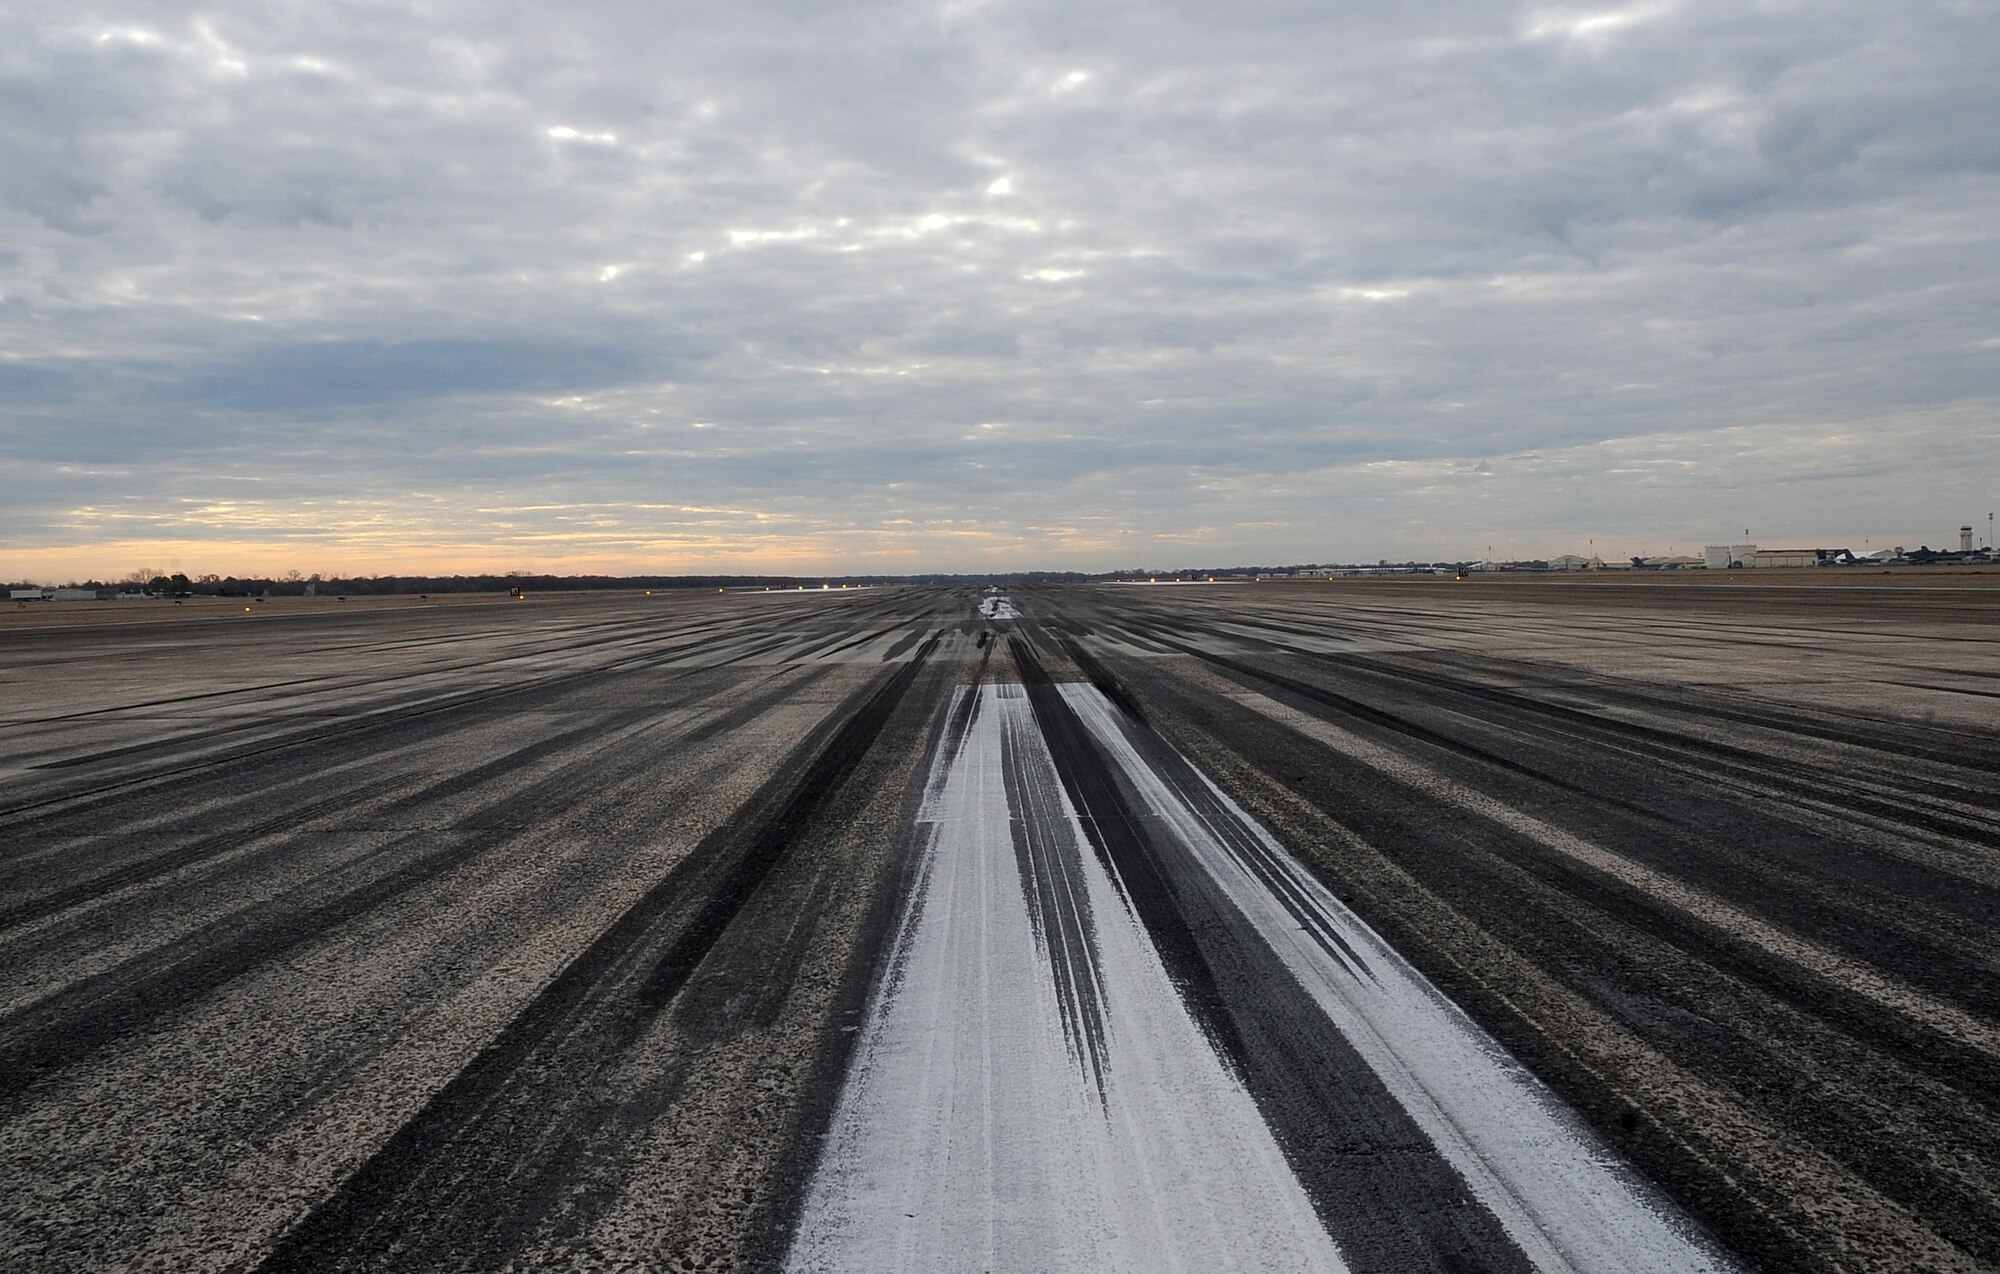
[(969, 1137), (1561, 1196), (1831, 966)]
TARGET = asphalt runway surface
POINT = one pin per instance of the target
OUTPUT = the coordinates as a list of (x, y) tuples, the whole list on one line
[(1367, 926)]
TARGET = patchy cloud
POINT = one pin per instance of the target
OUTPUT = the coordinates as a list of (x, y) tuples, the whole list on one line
[(959, 286)]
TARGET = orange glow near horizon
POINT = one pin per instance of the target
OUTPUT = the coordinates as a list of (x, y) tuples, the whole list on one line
[(110, 563), (348, 538), (859, 552)]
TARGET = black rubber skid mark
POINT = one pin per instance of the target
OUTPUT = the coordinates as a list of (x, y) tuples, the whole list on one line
[(469, 1180), (1388, 1198), (70, 1026), (1057, 897), (1107, 685), (1115, 834), (770, 840), (869, 966), (1943, 1055), (1180, 775), (405, 725), (959, 724)]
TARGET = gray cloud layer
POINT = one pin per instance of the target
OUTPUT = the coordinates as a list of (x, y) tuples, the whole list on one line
[(884, 286)]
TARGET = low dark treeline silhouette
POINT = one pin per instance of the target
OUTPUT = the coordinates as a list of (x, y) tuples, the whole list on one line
[(295, 585)]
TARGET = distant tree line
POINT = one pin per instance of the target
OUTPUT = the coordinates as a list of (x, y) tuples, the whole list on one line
[(296, 584)]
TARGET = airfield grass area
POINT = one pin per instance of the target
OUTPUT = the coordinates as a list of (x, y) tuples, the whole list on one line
[(475, 933)]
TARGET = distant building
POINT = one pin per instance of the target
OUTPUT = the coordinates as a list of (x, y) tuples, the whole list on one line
[(1801, 557), (1965, 539), (1768, 558), (1569, 562), (1720, 557)]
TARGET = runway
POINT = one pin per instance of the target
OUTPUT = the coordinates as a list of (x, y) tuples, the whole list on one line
[(1383, 926)]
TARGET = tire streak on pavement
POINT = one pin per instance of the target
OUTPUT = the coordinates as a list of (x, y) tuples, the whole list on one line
[(977, 1132), (475, 1175), (1561, 1196)]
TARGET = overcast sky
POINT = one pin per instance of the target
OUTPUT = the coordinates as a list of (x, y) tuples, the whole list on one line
[(367, 287)]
